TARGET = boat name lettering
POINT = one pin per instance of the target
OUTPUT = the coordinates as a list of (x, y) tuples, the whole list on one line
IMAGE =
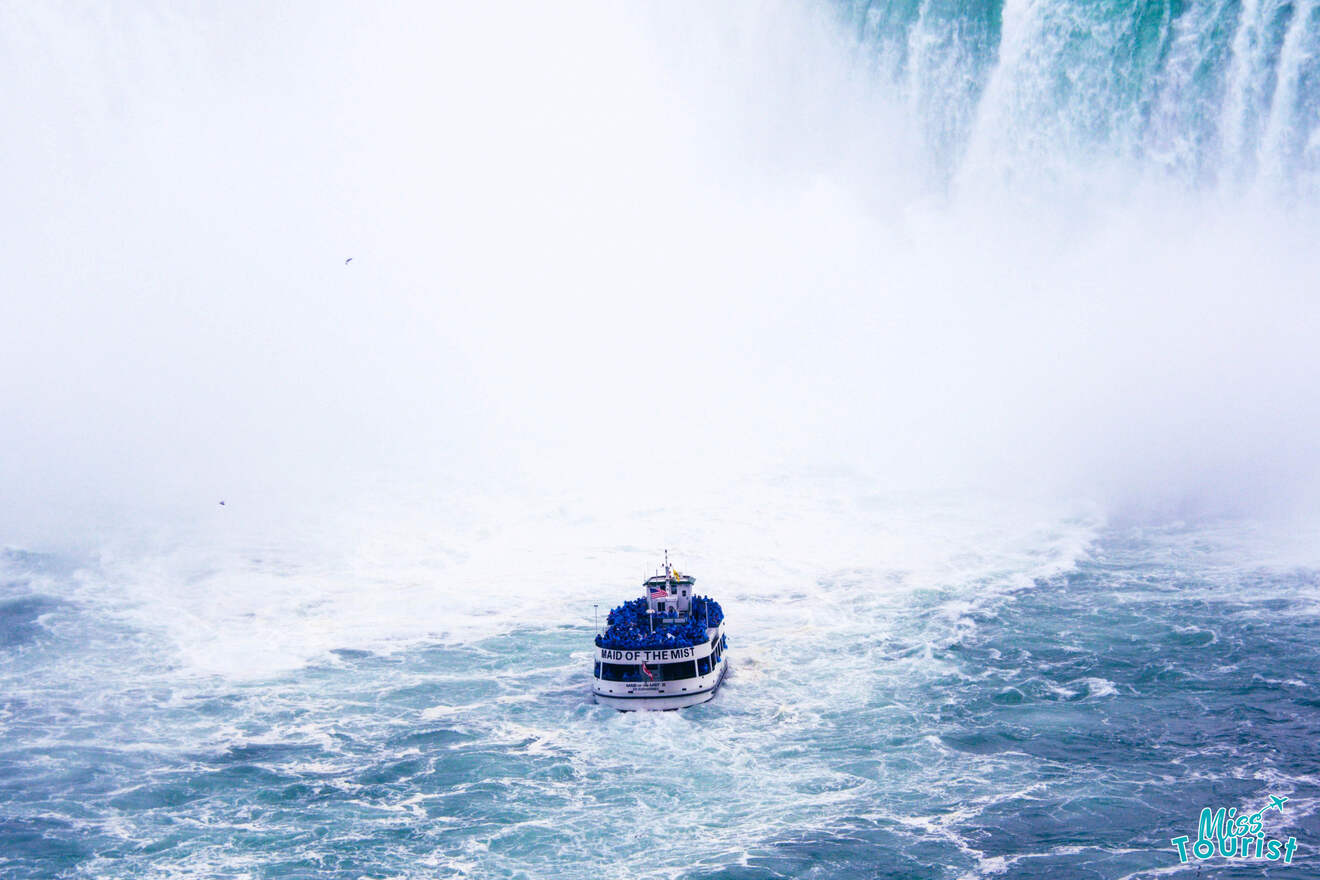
[(647, 656)]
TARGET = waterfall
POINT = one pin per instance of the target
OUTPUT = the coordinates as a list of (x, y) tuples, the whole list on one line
[(1211, 92), (1281, 147)]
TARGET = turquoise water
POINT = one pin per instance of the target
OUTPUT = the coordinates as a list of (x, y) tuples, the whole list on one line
[(1050, 709), (922, 684), (1224, 93)]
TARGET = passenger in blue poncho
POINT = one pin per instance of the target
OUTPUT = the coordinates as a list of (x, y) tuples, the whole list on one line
[(631, 627)]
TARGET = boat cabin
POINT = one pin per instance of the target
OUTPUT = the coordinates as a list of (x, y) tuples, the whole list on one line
[(670, 595)]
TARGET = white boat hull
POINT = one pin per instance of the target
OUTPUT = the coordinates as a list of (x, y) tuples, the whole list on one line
[(648, 696), (651, 704)]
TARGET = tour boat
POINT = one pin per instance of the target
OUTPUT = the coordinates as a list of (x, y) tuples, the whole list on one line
[(662, 651)]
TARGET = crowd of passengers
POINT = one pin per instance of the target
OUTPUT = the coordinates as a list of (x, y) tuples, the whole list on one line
[(629, 627)]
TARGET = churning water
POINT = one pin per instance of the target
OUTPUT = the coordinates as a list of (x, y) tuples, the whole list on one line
[(1063, 246), (920, 689)]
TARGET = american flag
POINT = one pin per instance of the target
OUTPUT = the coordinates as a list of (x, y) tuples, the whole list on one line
[(647, 671), (659, 592)]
